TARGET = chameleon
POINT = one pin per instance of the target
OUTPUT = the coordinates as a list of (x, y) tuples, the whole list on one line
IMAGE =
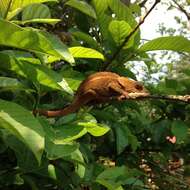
[(100, 87)]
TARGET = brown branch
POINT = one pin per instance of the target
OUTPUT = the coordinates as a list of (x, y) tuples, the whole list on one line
[(129, 36), (182, 10), (142, 4), (7, 10), (141, 96)]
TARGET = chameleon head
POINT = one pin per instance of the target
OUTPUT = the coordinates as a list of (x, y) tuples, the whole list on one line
[(132, 86)]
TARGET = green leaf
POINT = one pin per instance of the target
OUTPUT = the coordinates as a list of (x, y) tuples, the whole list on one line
[(38, 74), (68, 133), (124, 137), (180, 130), (121, 138), (82, 6), (8, 83), (23, 125), (95, 129), (73, 78), (36, 11), (113, 178), (82, 52), (122, 12), (52, 171), (37, 20), (103, 20), (55, 151), (119, 31), (25, 158), (81, 36), (13, 7), (175, 43), (32, 40), (78, 159)]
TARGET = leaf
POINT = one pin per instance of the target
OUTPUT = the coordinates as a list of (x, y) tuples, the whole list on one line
[(69, 133), (95, 129), (124, 137), (180, 130), (121, 138), (32, 40), (119, 31), (81, 36), (175, 43), (37, 20), (52, 171), (55, 151), (112, 178), (13, 7), (25, 158), (35, 11), (103, 20), (8, 83), (73, 78), (78, 159), (82, 6), (23, 125), (82, 52), (38, 74), (122, 12)]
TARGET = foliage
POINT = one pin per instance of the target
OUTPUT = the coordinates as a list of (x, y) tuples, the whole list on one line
[(115, 146)]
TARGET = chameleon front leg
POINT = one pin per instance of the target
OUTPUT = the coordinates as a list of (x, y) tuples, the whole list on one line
[(118, 89)]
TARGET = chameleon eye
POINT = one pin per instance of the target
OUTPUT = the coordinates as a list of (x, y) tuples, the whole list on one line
[(139, 87)]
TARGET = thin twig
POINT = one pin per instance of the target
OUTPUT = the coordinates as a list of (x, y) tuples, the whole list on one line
[(129, 36), (7, 10), (141, 96), (182, 10)]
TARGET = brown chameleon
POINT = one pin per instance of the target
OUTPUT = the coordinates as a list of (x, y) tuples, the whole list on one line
[(99, 87)]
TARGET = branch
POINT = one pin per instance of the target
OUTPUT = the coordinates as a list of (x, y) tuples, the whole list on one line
[(7, 10), (182, 10), (129, 36), (141, 96)]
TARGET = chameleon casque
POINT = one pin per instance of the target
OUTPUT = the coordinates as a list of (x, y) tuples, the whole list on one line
[(97, 88)]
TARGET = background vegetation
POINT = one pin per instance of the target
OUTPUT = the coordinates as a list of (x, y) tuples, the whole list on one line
[(47, 47)]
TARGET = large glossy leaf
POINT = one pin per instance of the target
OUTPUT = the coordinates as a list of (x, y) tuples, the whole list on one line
[(38, 74), (82, 52), (175, 43), (10, 8), (21, 123), (69, 133), (119, 31), (95, 129), (122, 12), (36, 11), (82, 6), (55, 151), (32, 40)]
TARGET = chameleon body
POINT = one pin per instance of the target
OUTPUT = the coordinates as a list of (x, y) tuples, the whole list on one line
[(99, 87)]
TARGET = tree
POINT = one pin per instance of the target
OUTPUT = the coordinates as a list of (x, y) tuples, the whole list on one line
[(118, 145)]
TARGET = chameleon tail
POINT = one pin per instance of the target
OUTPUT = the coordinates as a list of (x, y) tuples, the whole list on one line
[(56, 113)]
